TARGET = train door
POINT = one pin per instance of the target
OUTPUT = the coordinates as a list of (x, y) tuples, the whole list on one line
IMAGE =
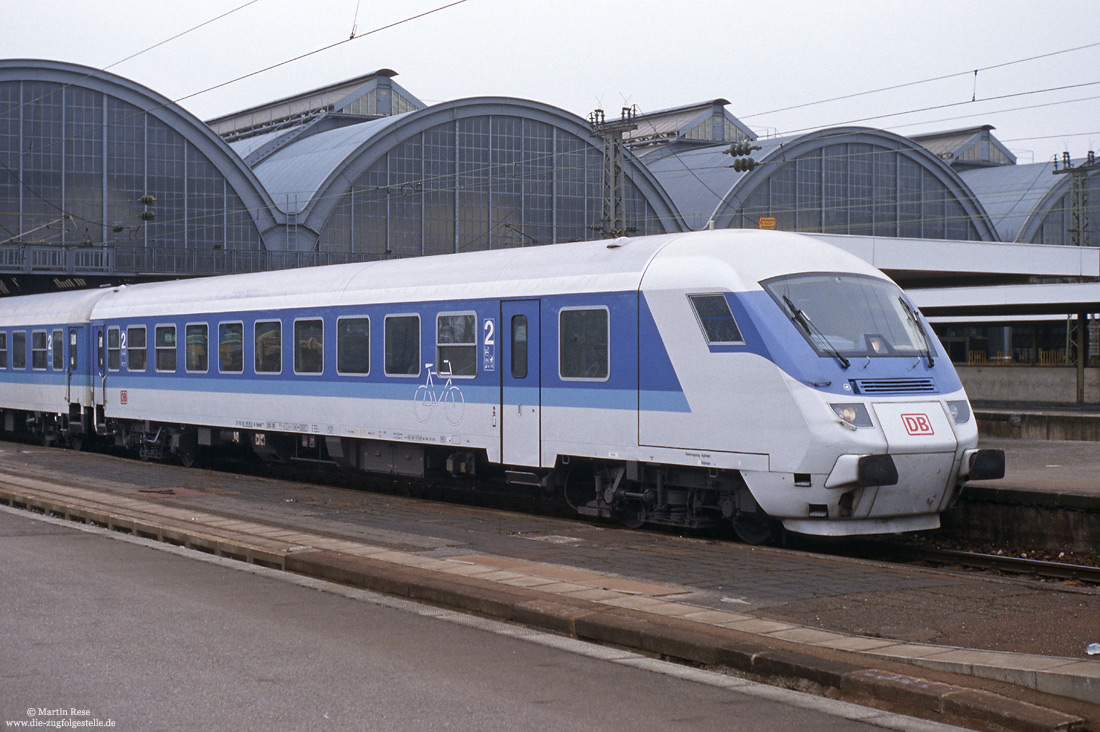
[(521, 383), (72, 365), (99, 368)]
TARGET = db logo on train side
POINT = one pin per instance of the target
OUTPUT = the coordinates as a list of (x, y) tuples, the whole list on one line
[(917, 425)]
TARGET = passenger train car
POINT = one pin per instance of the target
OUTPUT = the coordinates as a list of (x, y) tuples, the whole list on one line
[(693, 379)]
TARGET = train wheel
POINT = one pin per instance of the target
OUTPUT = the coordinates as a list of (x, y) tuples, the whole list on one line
[(76, 442), (752, 528), (189, 456), (187, 449)]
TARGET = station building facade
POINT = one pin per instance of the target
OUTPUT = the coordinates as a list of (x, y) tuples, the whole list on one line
[(362, 169), (102, 177), (80, 150)]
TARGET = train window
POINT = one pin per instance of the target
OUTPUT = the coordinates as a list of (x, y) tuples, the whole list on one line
[(57, 343), (136, 353), (716, 320), (19, 349), (165, 346), (3, 350), (73, 351), (353, 346), (519, 346), (39, 355), (402, 345), (309, 346), (114, 349), (456, 345), (231, 347), (196, 347), (584, 344), (844, 315), (269, 347)]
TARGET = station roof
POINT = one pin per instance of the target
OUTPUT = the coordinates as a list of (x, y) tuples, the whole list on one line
[(305, 106), (1013, 194), (967, 147), (308, 175), (697, 179), (925, 262), (1040, 299), (705, 122), (296, 172), (997, 276), (239, 176), (706, 188)]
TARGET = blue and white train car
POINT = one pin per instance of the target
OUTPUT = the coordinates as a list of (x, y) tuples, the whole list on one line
[(45, 364), (688, 379)]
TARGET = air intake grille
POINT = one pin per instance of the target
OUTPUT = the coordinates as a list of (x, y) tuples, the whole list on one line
[(894, 386)]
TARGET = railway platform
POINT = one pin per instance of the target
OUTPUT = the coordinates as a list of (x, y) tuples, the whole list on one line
[(1060, 422), (1049, 498), (988, 652)]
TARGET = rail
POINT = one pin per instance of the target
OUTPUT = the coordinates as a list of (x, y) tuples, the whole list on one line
[(1020, 566)]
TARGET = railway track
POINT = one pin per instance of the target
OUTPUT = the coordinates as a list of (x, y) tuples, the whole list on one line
[(1005, 564), (900, 552)]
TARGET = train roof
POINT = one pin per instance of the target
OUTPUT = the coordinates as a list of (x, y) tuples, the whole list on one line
[(50, 309), (728, 260)]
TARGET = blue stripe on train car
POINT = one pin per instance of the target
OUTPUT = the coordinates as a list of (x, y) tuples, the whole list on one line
[(660, 388)]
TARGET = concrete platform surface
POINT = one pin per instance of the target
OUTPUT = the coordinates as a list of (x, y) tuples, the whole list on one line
[(957, 647), (1048, 466)]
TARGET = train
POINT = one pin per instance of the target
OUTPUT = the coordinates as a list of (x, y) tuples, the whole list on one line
[(759, 380)]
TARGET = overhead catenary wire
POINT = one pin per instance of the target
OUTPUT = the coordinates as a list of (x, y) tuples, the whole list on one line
[(322, 49), (949, 105), (145, 50), (894, 87)]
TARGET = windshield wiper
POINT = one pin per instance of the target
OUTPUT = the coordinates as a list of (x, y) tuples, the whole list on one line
[(916, 324), (803, 320)]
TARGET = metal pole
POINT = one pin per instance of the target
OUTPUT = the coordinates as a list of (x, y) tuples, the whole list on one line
[(1082, 355)]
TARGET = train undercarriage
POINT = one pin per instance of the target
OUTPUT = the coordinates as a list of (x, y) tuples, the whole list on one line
[(632, 493)]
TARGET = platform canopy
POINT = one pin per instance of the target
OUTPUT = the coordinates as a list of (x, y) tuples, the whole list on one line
[(1063, 298)]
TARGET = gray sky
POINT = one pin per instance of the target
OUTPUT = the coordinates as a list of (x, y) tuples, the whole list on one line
[(763, 56)]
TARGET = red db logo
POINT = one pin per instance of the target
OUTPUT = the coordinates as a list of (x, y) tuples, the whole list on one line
[(917, 424), (123, 397)]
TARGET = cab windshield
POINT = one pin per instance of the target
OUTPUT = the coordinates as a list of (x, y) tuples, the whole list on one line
[(850, 316)]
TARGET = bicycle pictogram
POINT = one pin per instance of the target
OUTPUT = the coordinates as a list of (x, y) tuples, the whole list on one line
[(428, 396)]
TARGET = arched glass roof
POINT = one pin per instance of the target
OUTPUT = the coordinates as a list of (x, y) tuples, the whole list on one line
[(295, 174), (469, 174), (842, 180), (81, 147), (1029, 204)]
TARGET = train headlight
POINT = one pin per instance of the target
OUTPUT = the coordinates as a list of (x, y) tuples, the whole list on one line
[(854, 415), (960, 411)]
